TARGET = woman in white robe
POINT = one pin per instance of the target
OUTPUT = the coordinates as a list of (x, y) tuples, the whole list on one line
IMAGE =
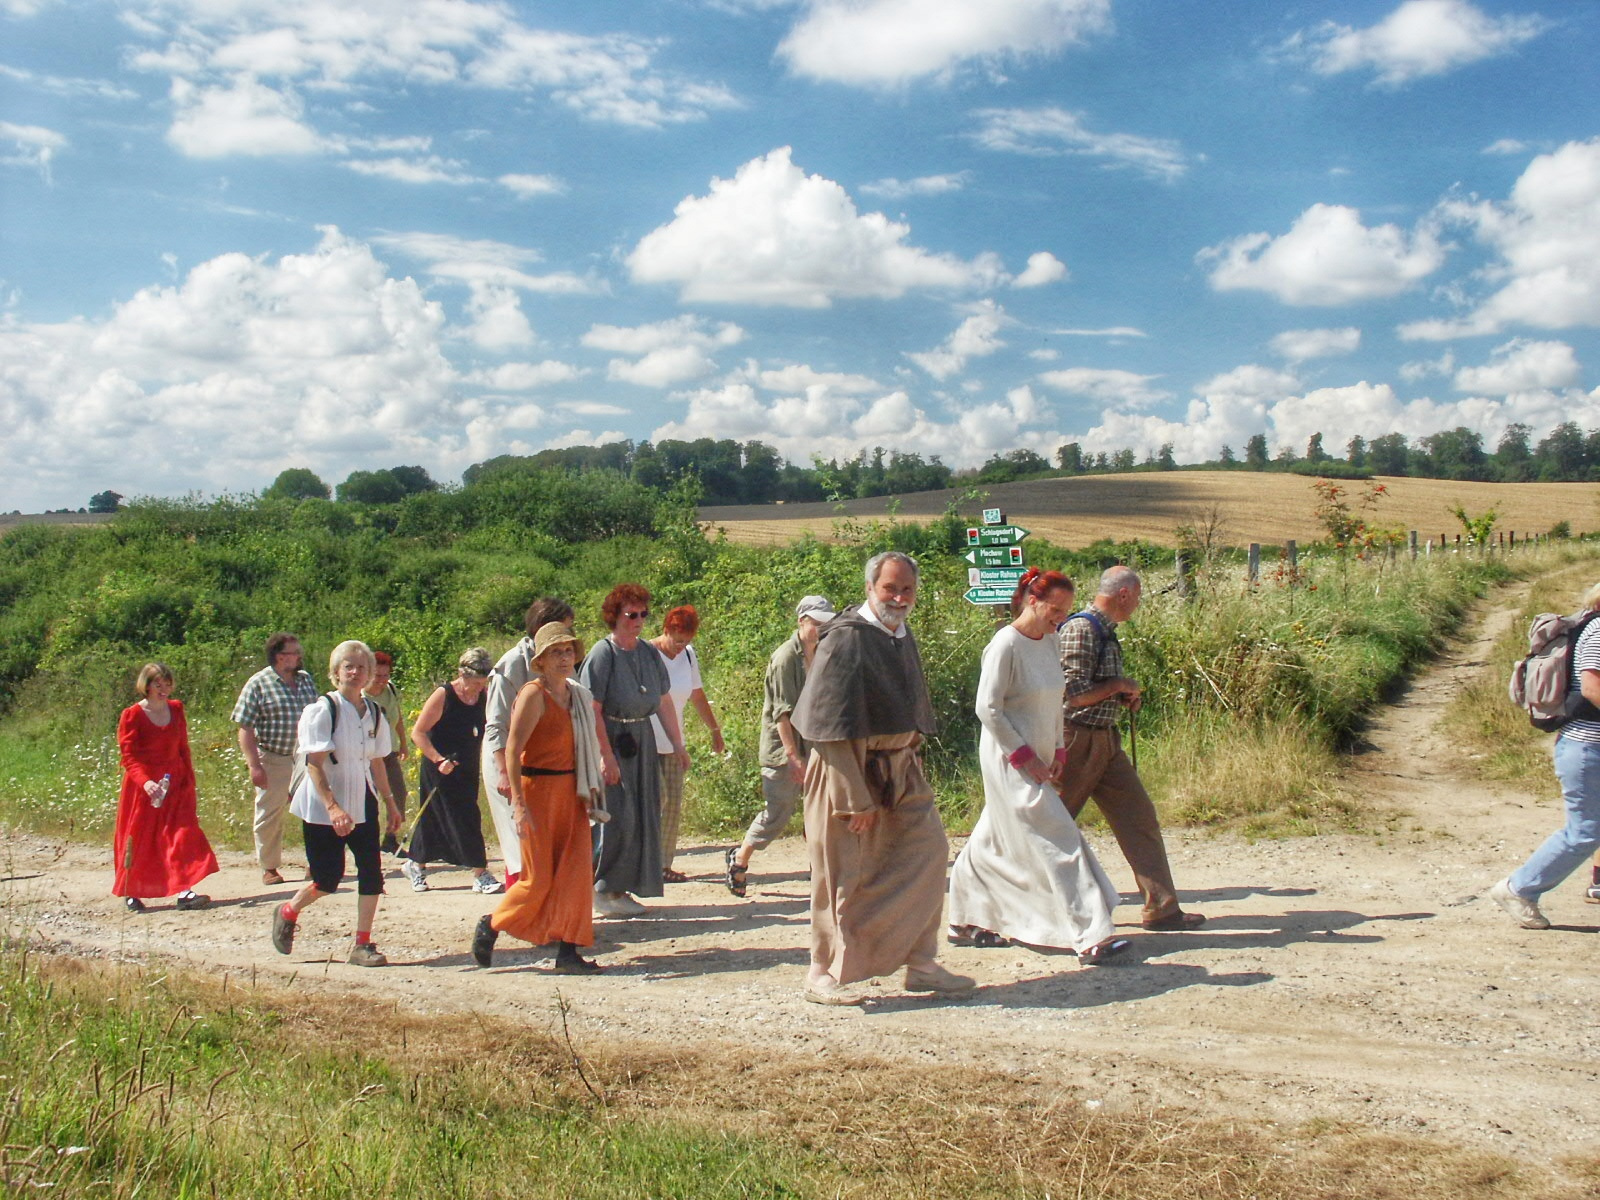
[(1026, 875)]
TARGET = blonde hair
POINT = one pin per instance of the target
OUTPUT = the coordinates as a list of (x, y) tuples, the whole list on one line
[(346, 651), (150, 673), (1591, 598)]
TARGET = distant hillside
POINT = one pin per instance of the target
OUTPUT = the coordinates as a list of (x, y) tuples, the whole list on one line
[(12, 520), (1254, 507)]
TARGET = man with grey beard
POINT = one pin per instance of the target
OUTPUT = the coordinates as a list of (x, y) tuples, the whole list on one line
[(878, 850)]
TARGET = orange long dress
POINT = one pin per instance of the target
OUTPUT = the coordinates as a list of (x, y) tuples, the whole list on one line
[(157, 851), (553, 898)]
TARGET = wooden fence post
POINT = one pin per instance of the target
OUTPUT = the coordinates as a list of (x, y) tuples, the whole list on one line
[(1255, 563), (1293, 553), (1411, 540), (1185, 583)]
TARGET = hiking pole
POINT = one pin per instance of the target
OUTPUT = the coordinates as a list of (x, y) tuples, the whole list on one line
[(1133, 737)]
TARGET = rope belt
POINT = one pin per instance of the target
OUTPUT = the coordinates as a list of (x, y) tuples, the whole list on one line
[(532, 772)]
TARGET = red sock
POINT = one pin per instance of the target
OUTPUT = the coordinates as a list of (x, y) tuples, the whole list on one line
[(511, 878), (363, 937), (290, 915)]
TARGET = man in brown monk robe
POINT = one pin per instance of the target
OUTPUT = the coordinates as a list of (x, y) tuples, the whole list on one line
[(878, 851)]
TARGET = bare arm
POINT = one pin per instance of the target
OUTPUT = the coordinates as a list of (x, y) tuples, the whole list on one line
[(426, 720), (316, 768), (668, 714), (609, 770), (1589, 685), (526, 713), (252, 755), (702, 705), (791, 748)]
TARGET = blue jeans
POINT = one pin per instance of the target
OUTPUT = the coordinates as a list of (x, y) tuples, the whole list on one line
[(1564, 851)]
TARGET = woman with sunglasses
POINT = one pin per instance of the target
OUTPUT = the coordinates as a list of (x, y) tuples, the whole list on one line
[(628, 680)]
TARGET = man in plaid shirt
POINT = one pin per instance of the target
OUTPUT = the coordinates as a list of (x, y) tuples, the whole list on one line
[(268, 716), (1097, 767)]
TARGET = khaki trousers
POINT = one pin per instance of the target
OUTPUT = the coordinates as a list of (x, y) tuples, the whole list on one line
[(272, 803), (1098, 769)]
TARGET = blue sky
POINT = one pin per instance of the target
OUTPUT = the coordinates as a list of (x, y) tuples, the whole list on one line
[(243, 235)]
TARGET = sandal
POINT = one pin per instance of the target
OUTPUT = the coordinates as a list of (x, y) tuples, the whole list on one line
[(671, 876), (736, 875), (1101, 951)]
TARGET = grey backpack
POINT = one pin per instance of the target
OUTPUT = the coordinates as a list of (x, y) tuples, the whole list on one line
[(1543, 682)]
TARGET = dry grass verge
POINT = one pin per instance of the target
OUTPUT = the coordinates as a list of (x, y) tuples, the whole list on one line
[(194, 1086)]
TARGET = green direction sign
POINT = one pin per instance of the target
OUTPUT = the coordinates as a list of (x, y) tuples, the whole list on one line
[(994, 556), (1000, 535), (989, 595), (994, 577)]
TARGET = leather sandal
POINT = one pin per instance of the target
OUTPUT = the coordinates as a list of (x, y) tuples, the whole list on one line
[(1176, 921), (671, 876), (1100, 951), (736, 876)]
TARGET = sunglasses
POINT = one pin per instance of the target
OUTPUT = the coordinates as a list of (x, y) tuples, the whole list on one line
[(640, 615)]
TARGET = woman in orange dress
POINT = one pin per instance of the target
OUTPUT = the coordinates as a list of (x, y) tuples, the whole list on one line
[(158, 848), (552, 729)]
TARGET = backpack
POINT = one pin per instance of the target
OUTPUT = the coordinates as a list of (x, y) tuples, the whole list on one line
[(1544, 681), (331, 699)]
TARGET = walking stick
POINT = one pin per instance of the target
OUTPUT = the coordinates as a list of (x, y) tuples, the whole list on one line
[(404, 850), (1133, 738)]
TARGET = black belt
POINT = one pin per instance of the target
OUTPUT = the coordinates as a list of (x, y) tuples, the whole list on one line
[(533, 771)]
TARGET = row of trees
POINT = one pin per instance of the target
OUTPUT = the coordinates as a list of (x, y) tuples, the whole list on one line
[(732, 472)]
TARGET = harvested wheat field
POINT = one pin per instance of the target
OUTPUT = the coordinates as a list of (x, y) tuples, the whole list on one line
[(1253, 507)]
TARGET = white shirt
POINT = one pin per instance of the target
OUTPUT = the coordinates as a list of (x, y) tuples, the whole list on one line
[(354, 744), (684, 674)]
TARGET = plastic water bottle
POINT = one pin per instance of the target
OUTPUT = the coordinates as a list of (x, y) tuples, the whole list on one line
[(159, 796)]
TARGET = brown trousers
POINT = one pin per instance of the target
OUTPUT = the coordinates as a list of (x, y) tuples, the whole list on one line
[(1098, 769)]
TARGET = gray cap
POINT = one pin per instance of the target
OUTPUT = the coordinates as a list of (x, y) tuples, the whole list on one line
[(818, 608)]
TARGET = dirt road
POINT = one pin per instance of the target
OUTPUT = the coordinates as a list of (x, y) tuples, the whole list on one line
[(1352, 978)]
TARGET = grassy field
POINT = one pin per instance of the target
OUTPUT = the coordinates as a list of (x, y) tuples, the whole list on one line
[(125, 1081), (1253, 507)]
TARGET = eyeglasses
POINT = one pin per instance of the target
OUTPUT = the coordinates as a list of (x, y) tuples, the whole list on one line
[(636, 616)]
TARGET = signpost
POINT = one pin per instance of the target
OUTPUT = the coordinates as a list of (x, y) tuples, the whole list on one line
[(995, 555)]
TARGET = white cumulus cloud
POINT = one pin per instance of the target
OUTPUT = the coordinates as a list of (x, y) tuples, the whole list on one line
[(1328, 257), (1301, 345), (1522, 365), (1418, 39), (1546, 238), (774, 235), (245, 117), (879, 43), (976, 337), (1042, 268), (664, 353)]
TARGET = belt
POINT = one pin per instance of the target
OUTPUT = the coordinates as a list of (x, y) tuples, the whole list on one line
[(531, 772), (1094, 728), (628, 720)]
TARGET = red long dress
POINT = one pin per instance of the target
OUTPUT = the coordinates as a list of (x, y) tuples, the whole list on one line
[(157, 851), (553, 898)]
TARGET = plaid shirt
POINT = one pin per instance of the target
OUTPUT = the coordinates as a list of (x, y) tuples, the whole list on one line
[(272, 708), (1088, 661)]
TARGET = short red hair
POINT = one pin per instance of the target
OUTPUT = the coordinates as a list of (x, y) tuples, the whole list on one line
[(682, 621), (383, 658), (619, 598), (1038, 584)]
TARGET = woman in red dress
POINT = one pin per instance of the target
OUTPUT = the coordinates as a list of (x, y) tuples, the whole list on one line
[(158, 847)]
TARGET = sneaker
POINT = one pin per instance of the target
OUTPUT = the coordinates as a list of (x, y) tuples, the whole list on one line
[(414, 872), (134, 904), (282, 931), (1523, 911), (487, 885), (366, 954), (620, 904), (1591, 894), (190, 901), (483, 940)]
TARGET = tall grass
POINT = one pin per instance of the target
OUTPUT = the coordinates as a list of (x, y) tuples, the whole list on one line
[(1250, 690)]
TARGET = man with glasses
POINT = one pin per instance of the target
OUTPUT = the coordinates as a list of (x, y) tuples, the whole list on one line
[(268, 714), (877, 847)]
